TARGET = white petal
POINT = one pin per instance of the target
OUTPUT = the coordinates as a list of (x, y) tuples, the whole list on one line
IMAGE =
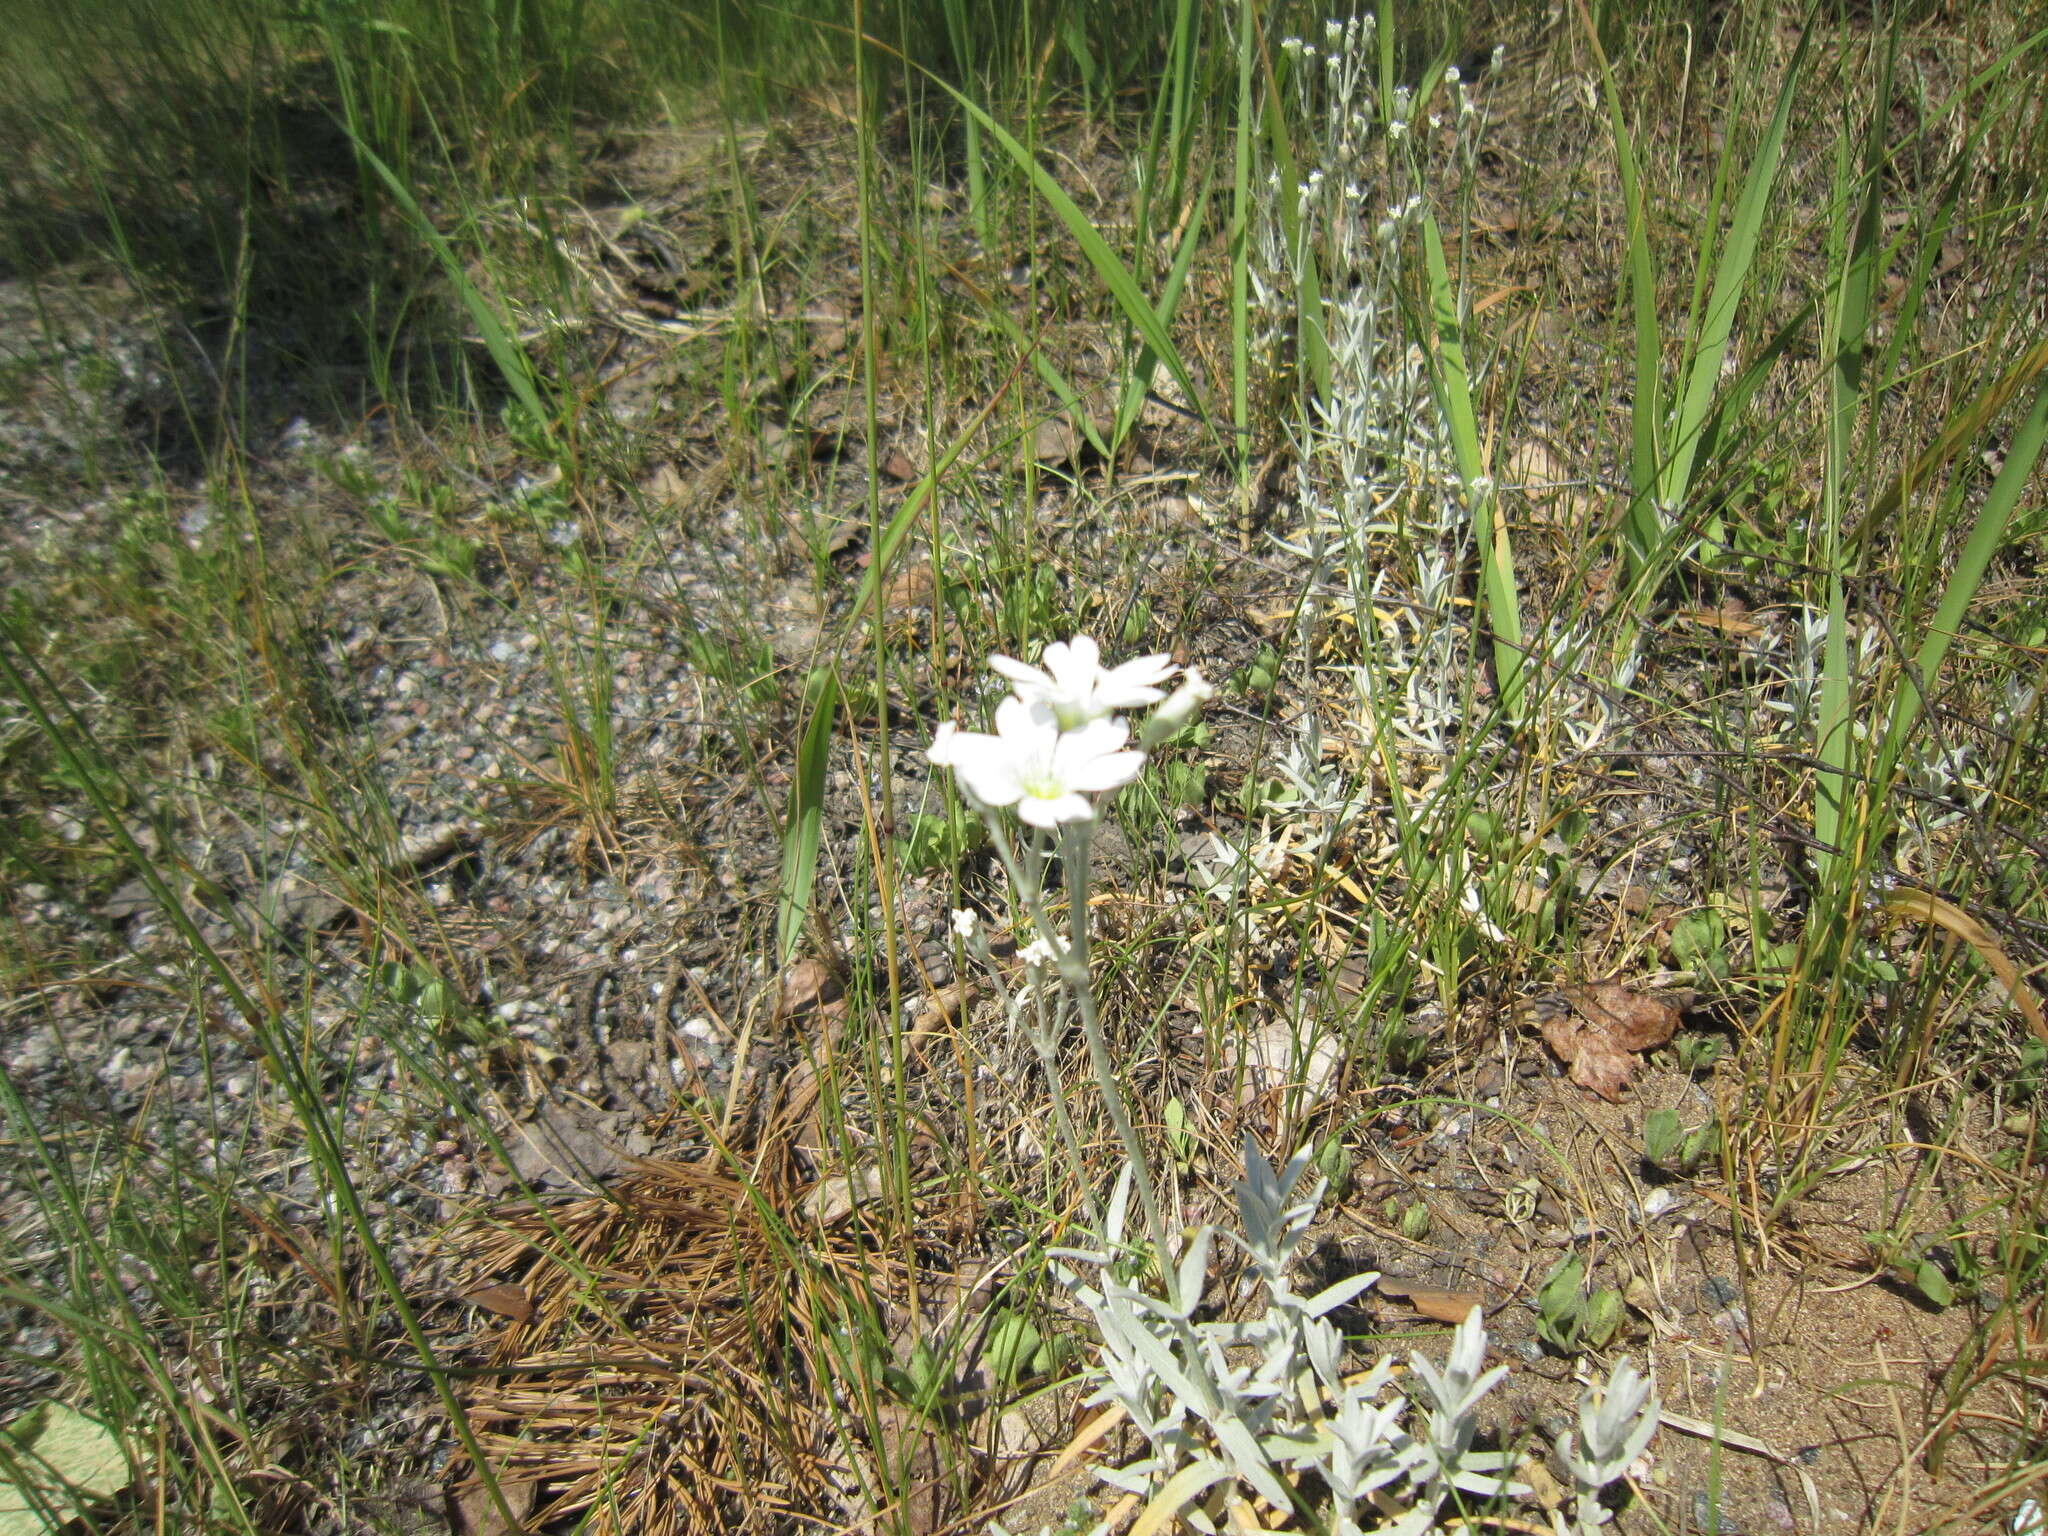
[(1040, 812), (1104, 773), (991, 777), (1023, 728), (1093, 740), (1019, 672)]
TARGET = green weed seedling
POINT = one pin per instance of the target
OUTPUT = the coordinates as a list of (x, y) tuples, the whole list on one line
[(432, 548), (1334, 1163), (1018, 1350), (1695, 1053), (1699, 942), (1917, 1262), (938, 841), (1571, 1319), (1180, 1137), (1261, 676), (1667, 1145), (437, 1002)]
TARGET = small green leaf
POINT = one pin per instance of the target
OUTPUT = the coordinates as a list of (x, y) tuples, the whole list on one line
[(1561, 1305), (1661, 1135), (1137, 622), (1933, 1284), (1333, 1162), (1014, 1345), (1603, 1317), (1697, 937)]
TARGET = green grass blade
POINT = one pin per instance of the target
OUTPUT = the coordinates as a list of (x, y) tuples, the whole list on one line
[(1987, 536), (905, 517), (961, 37), (1240, 250), (1140, 380), (804, 824), (1643, 527), (1731, 282), (1312, 339), (1962, 428), (1069, 397), (513, 363), (1454, 389), (1116, 277), (1858, 257)]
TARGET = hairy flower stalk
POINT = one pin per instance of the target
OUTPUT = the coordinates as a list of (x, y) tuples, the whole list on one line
[(1074, 851), (1058, 744)]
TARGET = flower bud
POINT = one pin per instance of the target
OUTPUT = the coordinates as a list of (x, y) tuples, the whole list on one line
[(1179, 710)]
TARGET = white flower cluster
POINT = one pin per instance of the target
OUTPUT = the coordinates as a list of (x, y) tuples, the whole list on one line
[(1264, 1408), (1057, 739)]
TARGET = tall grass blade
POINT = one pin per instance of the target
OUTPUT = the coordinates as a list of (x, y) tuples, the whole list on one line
[(1116, 277), (513, 364), (1139, 381), (803, 826), (1987, 537), (1847, 381), (1454, 390), (1312, 339), (1960, 431), (1642, 527), (1731, 282), (904, 518)]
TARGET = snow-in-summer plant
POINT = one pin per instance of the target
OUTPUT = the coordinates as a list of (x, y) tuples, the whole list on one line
[(1229, 1410), (1263, 1408)]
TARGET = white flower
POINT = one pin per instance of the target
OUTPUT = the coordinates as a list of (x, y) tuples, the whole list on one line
[(1075, 686), (964, 921), (1029, 762), (1038, 954)]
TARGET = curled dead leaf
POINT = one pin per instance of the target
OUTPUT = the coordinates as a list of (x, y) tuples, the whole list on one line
[(505, 1300), (1596, 1028), (1442, 1306), (806, 985)]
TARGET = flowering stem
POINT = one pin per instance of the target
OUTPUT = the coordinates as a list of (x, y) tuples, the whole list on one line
[(1074, 850), (1044, 1037)]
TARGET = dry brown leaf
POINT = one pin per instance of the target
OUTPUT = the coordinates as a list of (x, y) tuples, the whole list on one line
[(505, 1300), (940, 1005), (896, 465), (666, 486), (806, 985), (1603, 1023), (912, 589), (1442, 1306)]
